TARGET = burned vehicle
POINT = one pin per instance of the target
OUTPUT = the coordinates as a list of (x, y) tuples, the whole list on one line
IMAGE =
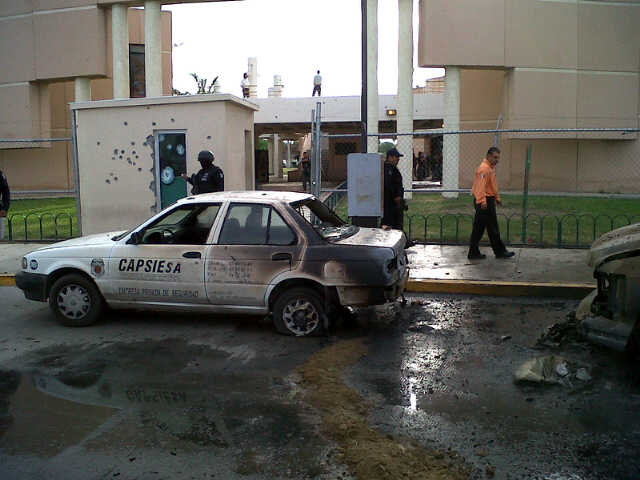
[(282, 253), (609, 315)]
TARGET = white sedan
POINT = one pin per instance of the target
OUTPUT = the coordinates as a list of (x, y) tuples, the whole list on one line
[(283, 253)]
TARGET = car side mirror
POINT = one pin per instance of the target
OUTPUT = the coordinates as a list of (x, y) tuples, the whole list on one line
[(135, 238)]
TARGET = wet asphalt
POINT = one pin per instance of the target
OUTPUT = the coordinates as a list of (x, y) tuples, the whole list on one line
[(142, 396)]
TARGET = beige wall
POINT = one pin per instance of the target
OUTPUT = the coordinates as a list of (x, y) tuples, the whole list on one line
[(41, 108), (212, 122), (544, 64)]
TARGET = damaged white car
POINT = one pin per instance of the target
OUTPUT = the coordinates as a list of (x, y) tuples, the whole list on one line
[(283, 253), (609, 315)]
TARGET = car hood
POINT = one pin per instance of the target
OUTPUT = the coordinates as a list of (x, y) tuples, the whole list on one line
[(97, 239), (620, 241), (376, 237)]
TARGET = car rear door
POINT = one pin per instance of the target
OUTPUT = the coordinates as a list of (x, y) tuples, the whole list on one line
[(255, 245)]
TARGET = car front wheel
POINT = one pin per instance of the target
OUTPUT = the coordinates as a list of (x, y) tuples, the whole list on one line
[(75, 301), (299, 312)]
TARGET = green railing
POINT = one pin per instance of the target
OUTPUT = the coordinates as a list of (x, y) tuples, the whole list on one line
[(41, 227)]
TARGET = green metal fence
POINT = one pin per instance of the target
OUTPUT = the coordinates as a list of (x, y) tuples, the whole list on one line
[(45, 227)]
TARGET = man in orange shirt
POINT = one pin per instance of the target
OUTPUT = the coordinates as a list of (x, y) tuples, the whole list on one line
[(485, 197)]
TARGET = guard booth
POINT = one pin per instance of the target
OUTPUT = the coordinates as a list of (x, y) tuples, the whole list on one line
[(131, 154)]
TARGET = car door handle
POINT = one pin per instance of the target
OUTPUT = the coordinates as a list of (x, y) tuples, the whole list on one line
[(192, 255), (281, 256)]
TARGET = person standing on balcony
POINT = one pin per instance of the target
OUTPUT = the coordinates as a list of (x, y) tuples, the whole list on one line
[(485, 197), (244, 84), (317, 84), (5, 200)]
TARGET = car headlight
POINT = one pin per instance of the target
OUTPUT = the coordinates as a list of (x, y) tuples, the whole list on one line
[(24, 263)]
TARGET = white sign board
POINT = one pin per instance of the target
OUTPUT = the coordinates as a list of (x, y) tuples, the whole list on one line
[(365, 184)]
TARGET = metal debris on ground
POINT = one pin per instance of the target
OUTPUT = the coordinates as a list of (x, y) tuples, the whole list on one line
[(561, 334)]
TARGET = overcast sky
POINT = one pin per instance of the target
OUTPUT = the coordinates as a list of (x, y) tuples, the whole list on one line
[(292, 38)]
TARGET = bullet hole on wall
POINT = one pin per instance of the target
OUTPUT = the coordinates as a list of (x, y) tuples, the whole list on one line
[(134, 164), (133, 152), (137, 156), (113, 158), (133, 143), (108, 181), (126, 123), (122, 151), (129, 161), (111, 174), (208, 137), (173, 120), (115, 151), (115, 179), (120, 157), (139, 169), (97, 143), (153, 123)]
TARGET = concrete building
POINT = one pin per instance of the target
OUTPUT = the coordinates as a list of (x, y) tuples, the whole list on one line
[(57, 51), (540, 64)]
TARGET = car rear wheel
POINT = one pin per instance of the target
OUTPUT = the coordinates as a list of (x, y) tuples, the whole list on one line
[(299, 312), (75, 301)]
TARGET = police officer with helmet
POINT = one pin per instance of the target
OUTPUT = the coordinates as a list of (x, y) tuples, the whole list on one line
[(210, 178), (394, 204)]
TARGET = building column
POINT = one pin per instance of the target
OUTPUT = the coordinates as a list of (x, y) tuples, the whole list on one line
[(451, 143), (277, 155), (120, 48), (404, 121), (372, 75), (153, 48), (82, 89), (253, 77)]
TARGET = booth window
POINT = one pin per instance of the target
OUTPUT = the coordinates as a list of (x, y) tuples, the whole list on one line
[(136, 71)]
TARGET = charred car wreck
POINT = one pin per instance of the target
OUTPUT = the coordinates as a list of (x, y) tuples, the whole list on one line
[(282, 253), (609, 315)]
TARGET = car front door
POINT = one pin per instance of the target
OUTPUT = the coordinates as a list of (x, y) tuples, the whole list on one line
[(166, 264), (255, 246)]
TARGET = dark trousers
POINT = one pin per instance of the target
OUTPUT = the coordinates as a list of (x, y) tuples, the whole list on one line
[(317, 88), (393, 216), (486, 218), (306, 179)]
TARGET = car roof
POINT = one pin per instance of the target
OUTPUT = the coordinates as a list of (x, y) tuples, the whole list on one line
[(249, 196)]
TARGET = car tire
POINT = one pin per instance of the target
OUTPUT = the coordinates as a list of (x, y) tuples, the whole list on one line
[(75, 301), (299, 312)]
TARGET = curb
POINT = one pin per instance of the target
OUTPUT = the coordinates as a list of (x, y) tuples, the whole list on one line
[(466, 287), (501, 288)]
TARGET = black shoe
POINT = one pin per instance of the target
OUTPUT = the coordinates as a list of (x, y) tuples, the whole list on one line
[(476, 256), (506, 254)]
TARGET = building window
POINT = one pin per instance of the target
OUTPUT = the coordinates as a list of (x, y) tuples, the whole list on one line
[(345, 148), (136, 71)]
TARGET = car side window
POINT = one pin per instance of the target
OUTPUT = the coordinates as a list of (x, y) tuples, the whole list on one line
[(246, 224), (188, 224), (255, 224), (279, 231)]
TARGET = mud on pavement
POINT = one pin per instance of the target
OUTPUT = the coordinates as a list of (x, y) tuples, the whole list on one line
[(421, 392)]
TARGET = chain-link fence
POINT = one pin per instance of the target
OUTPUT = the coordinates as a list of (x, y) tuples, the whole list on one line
[(560, 187)]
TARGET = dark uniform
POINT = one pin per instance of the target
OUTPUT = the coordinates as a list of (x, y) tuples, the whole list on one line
[(393, 214), (4, 193), (5, 200), (207, 180)]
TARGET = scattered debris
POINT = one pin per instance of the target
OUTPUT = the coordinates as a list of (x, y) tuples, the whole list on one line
[(551, 369), (504, 338), (561, 333), (583, 374)]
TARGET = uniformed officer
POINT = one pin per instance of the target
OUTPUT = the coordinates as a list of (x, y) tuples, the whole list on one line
[(5, 200), (394, 205), (209, 179)]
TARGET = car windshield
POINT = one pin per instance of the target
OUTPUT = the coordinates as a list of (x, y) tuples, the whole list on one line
[(324, 220)]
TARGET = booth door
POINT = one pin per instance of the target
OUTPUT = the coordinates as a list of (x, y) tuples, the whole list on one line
[(171, 161)]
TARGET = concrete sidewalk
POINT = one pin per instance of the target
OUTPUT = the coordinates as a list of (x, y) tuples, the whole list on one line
[(445, 269)]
